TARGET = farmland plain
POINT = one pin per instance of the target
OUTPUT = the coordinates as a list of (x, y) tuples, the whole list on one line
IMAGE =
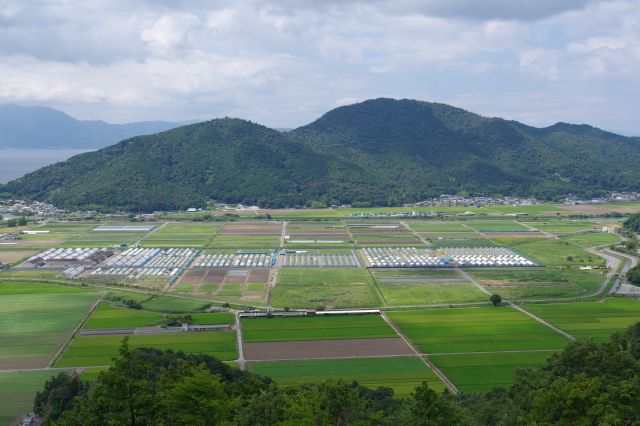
[(482, 329), (590, 320), (315, 328), (99, 350), (402, 374), (482, 372), (35, 319), (329, 287)]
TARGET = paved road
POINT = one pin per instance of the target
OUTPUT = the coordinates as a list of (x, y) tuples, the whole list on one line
[(241, 361)]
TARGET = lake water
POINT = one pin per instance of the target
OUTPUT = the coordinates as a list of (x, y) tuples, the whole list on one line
[(16, 162)]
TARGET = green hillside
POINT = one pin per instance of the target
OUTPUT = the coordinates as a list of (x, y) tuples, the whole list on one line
[(381, 151)]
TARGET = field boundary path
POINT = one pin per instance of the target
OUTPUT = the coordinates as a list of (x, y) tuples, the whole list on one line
[(548, 234), (474, 282), (541, 321), (415, 234), (75, 332), (519, 308), (283, 233), (425, 359), (241, 361)]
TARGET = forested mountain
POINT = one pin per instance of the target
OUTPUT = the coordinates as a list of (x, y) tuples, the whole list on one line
[(41, 127), (381, 151)]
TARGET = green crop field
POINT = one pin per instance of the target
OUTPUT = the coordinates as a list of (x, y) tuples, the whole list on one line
[(496, 226), (213, 318), (35, 319), (107, 316), (402, 374), (552, 252), (333, 288), (595, 320), (182, 235), (99, 350), (17, 391), (593, 239), (472, 242), (244, 242), (564, 226), (174, 304), (483, 329), (315, 328), (438, 227), (482, 372), (538, 283), (425, 287)]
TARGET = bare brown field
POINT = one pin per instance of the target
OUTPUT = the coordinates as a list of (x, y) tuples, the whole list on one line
[(326, 349), (203, 276)]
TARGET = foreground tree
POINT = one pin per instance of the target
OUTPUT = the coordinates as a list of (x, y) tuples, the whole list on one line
[(633, 275)]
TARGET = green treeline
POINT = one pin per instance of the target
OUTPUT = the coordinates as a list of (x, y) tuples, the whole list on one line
[(632, 224), (585, 384)]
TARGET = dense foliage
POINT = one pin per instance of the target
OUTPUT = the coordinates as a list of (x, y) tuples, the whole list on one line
[(634, 275), (632, 223), (587, 383), (379, 152)]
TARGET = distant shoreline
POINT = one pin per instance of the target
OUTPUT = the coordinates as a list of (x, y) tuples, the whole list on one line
[(16, 162)]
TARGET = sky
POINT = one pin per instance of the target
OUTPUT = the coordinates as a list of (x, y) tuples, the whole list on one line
[(285, 63)]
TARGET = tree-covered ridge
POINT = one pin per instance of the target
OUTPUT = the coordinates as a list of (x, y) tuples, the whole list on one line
[(585, 384), (382, 152)]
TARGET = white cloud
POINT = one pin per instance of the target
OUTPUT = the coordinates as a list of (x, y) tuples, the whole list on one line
[(284, 62)]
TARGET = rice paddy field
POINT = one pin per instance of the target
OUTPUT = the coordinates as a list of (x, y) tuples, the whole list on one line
[(538, 283), (108, 316), (497, 226), (17, 391), (473, 373), (557, 253), (402, 374), (424, 286), (266, 242), (182, 235), (592, 239), (99, 350), (590, 320), (564, 226), (315, 328), (482, 329), (329, 287), (35, 319)]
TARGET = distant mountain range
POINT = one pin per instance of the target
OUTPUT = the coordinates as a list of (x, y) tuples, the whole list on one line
[(47, 128), (381, 152)]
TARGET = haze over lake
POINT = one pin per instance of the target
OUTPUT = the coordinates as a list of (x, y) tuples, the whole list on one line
[(16, 162)]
